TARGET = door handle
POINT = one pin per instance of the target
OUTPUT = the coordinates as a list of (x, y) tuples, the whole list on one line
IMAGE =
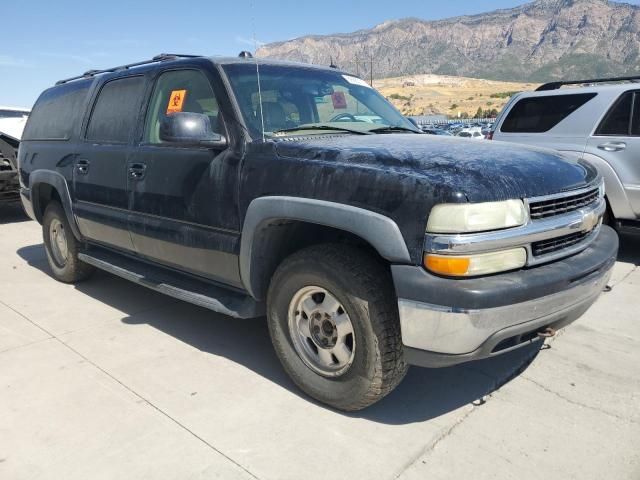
[(137, 171), (612, 146), (82, 167)]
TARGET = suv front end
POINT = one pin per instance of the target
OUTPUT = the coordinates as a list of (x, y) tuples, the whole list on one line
[(500, 275)]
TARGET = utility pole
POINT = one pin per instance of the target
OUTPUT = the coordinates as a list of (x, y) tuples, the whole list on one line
[(371, 71)]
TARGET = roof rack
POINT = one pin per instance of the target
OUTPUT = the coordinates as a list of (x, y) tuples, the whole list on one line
[(163, 57), (557, 85)]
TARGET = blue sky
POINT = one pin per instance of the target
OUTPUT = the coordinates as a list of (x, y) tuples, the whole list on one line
[(45, 40)]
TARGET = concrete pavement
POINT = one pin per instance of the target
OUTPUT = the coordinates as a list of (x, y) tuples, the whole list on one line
[(107, 379)]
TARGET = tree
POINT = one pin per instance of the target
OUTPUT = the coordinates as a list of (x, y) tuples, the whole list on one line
[(480, 113)]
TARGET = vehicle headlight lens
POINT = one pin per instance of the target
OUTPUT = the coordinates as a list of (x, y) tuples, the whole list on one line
[(602, 191), (478, 264), (476, 217)]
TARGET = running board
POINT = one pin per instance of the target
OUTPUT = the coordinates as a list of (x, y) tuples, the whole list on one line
[(176, 285)]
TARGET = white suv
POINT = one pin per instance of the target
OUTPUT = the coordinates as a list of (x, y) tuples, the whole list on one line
[(596, 120)]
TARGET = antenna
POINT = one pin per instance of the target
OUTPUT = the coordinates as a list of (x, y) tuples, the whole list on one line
[(255, 43)]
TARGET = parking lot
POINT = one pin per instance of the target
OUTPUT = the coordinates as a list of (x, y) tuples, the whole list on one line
[(106, 379)]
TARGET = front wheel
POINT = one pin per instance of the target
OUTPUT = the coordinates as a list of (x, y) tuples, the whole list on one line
[(333, 320)]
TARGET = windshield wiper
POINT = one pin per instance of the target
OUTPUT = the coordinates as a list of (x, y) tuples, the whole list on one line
[(322, 127), (392, 128)]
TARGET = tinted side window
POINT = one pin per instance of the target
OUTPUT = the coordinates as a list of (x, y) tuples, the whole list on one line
[(116, 110), (618, 119), (541, 114), (181, 91), (57, 112), (635, 115)]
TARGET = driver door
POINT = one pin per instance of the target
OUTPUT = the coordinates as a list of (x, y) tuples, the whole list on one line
[(184, 211)]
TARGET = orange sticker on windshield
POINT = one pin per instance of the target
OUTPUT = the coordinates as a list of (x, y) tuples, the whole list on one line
[(176, 100)]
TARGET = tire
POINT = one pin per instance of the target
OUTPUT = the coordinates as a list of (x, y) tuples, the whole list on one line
[(69, 269), (608, 218), (363, 288)]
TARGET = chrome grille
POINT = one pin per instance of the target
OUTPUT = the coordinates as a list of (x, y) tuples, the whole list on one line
[(539, 209), (545, 247)]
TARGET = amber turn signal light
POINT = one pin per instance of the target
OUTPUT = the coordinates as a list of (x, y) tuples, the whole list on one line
[(457, 266), (476, 264)]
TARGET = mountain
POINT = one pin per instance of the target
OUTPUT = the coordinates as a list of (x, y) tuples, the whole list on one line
[(539, 41)]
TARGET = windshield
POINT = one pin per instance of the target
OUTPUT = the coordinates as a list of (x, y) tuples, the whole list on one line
[(298, 100)]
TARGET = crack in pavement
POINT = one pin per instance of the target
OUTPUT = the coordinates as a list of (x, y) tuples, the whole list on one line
[(574, 402), (499, 382), (635, 267), (133, 392), (17, 347), (430, 447)]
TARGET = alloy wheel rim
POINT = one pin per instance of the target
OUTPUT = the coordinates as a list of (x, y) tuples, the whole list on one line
[(321, 331)]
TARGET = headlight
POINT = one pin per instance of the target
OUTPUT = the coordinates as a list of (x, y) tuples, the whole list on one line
[(602, 191), (478, 264), (476, 217)]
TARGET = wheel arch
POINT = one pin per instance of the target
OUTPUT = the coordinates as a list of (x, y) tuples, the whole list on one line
[(274, 227), (46, 186), (615, 192)]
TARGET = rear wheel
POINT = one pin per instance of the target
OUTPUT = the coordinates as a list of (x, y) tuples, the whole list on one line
[(333, 320), (62, 247)]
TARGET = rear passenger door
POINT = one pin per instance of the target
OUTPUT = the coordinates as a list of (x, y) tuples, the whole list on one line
[(184, 210), (617, 141), (100, 170)]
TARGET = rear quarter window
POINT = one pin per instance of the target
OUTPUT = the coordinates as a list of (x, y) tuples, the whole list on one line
[(623, 117), (116, 110), (541, 114), (57, 112)]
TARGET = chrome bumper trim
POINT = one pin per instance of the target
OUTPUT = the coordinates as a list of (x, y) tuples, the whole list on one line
[(583, 220), (447, 330)]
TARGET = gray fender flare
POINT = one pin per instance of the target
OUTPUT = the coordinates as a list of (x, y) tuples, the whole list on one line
[(615, 191), (380, 231), (37, 178)]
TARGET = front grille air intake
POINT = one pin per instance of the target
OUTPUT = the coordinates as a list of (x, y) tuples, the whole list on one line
[(557, 206), (545, 247)]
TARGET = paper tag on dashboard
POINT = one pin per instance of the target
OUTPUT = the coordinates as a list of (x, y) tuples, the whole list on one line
[(176, 101), (339, 100)]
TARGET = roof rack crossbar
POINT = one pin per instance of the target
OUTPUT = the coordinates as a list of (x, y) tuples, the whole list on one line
[(163, 57), (557, 85)]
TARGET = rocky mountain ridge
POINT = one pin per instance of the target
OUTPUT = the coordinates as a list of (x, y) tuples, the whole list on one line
[(539, 41)]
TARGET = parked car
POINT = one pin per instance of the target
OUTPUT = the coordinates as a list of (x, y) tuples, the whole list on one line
[(436, 131), (599, 122), (474, 133), (369, 247), (12, 122)]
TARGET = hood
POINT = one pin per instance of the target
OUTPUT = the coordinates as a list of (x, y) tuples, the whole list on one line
[(13, 127), (482, 171)]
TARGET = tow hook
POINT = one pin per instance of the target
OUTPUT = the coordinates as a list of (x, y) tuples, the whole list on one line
[(547, 333)]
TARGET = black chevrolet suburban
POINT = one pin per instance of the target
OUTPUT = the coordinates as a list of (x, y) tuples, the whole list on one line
[(298, 192)]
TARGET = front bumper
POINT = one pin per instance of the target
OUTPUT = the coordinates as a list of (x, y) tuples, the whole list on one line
[(449, 321)]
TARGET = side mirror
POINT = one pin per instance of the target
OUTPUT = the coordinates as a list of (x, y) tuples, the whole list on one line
[(188, 128)]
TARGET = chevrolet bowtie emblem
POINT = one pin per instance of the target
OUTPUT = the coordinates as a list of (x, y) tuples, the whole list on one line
[(590, 220)]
